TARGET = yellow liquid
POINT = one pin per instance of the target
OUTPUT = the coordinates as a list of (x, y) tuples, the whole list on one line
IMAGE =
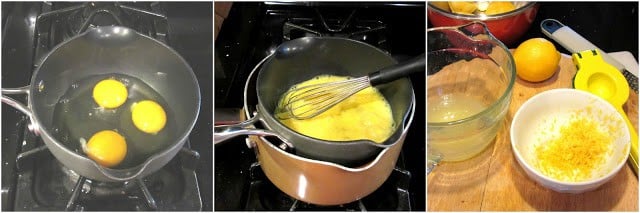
[(453, 108), (365, 115), (463, 141)]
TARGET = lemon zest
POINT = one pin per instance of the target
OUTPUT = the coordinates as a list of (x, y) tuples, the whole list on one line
[(579, 149)]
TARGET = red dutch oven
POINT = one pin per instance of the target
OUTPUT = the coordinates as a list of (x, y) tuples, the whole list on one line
[(507, 27)]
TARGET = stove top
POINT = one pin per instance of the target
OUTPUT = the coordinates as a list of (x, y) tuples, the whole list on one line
[(44, 184), (251, 32), (33, 180)]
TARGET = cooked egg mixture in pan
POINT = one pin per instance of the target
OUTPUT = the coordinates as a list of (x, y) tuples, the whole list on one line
[(365, 115)]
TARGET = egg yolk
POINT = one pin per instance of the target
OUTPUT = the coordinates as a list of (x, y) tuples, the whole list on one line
[(110, 93), (148, 116), (107, 148)]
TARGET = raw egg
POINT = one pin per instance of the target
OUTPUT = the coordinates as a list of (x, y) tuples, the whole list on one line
[(110, 93), (148, 116), (107, 148)]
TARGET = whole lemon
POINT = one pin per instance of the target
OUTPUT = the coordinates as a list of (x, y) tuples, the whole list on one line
[(536, 59), (109, 93), (148, 116), (107, 148)]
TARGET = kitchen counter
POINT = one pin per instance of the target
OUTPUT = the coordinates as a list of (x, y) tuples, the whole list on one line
[(494, 181)]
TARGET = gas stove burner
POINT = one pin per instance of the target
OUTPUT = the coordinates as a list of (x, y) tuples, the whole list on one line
[(392, 195), (346, 24), (46, 184)]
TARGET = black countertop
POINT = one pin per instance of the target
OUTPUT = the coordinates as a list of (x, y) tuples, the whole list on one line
[(611, 26)]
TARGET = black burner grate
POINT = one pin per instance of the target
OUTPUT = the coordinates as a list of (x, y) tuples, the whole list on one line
[(61, 21), (44, 184), (346, 24)]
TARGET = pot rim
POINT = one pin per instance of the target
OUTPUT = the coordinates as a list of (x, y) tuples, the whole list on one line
[(140, 168), (515, 12)]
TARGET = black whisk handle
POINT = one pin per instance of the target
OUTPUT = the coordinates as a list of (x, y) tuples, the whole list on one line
[(399, 70)]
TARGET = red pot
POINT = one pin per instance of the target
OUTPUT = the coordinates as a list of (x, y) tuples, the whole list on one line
[(507, 27)]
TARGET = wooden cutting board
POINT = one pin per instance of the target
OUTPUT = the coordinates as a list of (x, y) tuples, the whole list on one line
[(494, 181)]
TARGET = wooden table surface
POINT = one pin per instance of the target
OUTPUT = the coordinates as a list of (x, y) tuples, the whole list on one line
[(494, 181)]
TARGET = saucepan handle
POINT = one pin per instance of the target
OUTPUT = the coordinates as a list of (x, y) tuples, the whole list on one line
[(33, 127), (12, 102), (224, 132)]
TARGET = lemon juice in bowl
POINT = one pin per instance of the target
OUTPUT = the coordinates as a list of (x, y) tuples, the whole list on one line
[(78, 117), (466, 103), (465, 140)]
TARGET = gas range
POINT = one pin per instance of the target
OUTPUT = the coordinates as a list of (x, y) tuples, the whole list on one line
[(251, 32), (34, 180)]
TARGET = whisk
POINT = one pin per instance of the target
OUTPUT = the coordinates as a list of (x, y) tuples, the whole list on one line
[(309, 101)]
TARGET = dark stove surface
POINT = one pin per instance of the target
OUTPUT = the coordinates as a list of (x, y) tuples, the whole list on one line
[(251, 32), (37, 181), (44, 184)]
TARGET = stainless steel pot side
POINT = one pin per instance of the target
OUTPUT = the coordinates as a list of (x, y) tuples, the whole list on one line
[(104, 50), (304, 58)]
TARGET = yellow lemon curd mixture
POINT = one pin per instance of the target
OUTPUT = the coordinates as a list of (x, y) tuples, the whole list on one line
[(476, 7), (364, 115)]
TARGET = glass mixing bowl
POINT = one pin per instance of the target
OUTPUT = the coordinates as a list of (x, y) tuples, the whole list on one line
[(470, 76)]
